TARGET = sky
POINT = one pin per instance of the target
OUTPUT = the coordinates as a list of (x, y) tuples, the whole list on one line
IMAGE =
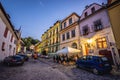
[(36, 16)]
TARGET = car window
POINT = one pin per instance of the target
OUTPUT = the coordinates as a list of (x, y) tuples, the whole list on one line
[(84, 58), (97, 60), (89, 57), (104, 59)]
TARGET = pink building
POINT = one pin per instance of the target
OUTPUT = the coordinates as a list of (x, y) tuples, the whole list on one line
[(96, 33)]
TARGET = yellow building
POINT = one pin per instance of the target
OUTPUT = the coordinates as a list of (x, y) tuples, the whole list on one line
[(114, 15), (44, 42), (54, 38), (38, 47), (50, 39)]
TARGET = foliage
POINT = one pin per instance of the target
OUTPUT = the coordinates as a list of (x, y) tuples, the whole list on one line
[(28, 41)]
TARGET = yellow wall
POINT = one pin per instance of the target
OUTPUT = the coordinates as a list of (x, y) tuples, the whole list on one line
[(114, 13)]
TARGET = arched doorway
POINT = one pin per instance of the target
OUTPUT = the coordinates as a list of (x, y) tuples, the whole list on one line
[(74, 45)]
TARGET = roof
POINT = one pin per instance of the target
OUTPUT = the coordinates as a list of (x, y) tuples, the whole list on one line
[(7, 17), (70, 16)]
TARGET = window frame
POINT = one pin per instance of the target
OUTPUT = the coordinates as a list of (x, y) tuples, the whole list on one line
[(6, 32), (70, 21), (98, 25), (101, 43), (63, 37), (73, 34)]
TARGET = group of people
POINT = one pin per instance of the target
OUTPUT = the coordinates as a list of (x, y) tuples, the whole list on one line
[(65, 58)]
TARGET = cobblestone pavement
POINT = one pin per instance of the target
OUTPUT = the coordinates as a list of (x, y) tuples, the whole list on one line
[(45, 69)]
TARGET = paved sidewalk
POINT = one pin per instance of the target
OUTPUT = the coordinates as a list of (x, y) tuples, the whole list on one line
[(115, 71)]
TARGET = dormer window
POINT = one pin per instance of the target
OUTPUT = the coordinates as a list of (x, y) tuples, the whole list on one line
[(64, 24), (93, 9), (86, 14), (70, 21), (85, 30)]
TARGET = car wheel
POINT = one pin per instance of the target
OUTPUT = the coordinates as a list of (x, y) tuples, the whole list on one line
[(95, 71), (8, 64), (77, 66)]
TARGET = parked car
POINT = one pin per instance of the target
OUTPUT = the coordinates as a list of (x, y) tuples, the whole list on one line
[(98, 64), (13, 60), (25, 57)]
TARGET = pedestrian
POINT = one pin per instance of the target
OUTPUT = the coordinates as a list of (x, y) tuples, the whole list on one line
[(35, 55)]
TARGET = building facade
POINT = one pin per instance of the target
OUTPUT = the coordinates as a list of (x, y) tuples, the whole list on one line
[(96, 33), (54, 38), (69, 33), (44, 42), (8, 36), (51, 39), (114, 14)]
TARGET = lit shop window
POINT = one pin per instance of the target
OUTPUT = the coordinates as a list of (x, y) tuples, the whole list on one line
[(102, 43)]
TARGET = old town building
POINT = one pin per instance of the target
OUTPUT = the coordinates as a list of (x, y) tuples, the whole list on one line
[(54, 38), (69, 33), (114, 14), (96, 33), (8, 36), (50, 39)]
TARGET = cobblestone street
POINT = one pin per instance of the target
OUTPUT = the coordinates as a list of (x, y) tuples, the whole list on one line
[(45, 69)]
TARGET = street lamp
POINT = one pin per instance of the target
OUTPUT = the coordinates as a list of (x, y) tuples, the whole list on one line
[(89, 41)]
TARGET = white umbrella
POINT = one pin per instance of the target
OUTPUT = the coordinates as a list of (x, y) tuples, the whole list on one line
[(68, 50)]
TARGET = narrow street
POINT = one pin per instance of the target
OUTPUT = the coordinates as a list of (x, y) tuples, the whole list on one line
[(45, 69)]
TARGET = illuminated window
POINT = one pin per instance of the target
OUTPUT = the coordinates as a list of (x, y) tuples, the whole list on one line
[(101, 43)]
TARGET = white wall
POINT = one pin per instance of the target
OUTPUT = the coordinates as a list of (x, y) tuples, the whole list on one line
[(7, 41)]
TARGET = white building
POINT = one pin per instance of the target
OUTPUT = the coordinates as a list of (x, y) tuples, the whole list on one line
[(96, 33), (8, 37), (69, 33)]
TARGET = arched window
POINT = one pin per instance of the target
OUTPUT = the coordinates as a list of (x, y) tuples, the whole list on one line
[(63, 47), (74, 45)]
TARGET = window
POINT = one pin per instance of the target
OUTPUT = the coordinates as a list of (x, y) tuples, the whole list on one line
[(11, 38), (93, 9), (10, 47), (73, 33), (68, 35), (61, 27), (70, 21), (3, 46), (6, 32), (57, 30), (64, 24), (85, 30), (101, 43), (86, 14), (74, 45), (63, 37), (98, 25)]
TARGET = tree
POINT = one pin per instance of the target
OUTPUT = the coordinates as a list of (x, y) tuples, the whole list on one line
[(28, 41)]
